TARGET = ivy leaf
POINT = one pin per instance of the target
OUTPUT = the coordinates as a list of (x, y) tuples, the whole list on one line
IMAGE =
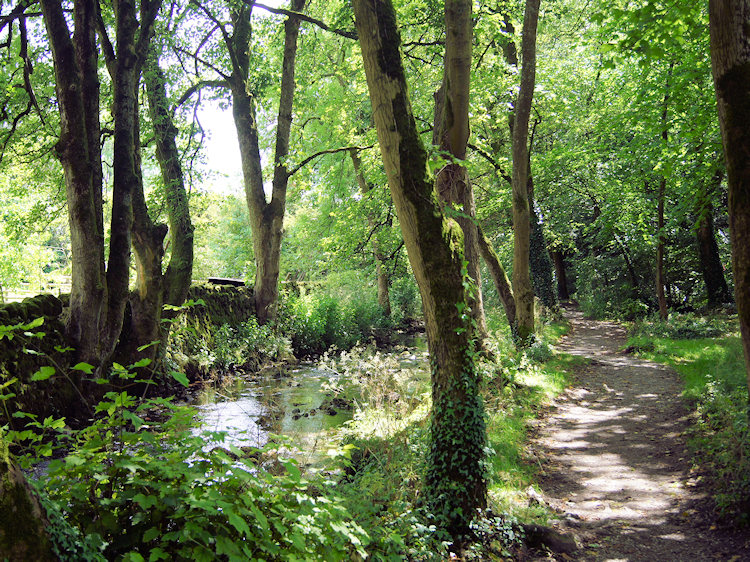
[(85, 367), (145, 362), (43, 374)]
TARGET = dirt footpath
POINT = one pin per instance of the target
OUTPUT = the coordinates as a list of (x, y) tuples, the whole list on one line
[(615, 463)]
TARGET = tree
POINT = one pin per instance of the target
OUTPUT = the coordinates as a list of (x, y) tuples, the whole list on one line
[(455, 483), (522, 291), (451, 134), (730, 61), (99, 294)]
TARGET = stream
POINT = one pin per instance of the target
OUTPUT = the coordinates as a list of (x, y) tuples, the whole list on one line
[(301, 405)]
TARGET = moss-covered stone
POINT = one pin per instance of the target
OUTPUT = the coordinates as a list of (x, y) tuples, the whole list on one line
[(22, 522)]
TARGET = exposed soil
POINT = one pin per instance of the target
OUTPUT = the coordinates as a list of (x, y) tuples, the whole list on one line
[(614, 460)]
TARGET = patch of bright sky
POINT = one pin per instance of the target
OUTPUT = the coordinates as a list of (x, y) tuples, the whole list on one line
[(223, 165)]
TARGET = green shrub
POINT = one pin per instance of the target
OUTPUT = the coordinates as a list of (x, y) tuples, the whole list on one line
[(681, 327), (319, 321), (131, 488), (722, 442)]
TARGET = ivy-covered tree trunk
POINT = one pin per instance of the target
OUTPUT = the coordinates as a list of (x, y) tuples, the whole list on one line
[(540, 264), (708, 250), (451, 134), (384, 299), (522, 289), (455, 480), (730, 62), (562, 279), (266, 217)]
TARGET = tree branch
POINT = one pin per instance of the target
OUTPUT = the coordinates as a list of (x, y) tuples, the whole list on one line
[(323, 152), (200, 85), (500, 170), (305, 17)]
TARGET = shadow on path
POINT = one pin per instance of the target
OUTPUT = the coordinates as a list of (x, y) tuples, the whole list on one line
[(614, 459)]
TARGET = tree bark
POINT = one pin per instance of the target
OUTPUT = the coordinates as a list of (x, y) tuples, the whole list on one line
[(730, 62), (540, 264), (23, 526), (266, 218), (562, 280), (708, 250), (75, 63), (522, 289), (179, 272), (455, 480), (452, 135), (502, 284), (661, 239), (146, 236), (384, 299)]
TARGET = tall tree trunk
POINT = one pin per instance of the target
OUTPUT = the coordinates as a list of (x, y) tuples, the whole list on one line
[(540, 264), (562, 280), (502, 284), (76, 63), (730, 62), (663, 312), (451, 134), (708, 250), (384, 299), (522, 290), (179, 272), (147, 238), (455, 481), (661, 239), (266, 218)]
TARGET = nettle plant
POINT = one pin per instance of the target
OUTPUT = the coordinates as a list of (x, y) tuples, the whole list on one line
[(142, 483)]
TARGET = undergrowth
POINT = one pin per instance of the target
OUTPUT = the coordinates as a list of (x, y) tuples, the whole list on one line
[(713, 371), (389, 440)]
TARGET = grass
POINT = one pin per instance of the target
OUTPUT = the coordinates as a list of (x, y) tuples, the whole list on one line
[(699, 361), (713, 371), (391, 440)]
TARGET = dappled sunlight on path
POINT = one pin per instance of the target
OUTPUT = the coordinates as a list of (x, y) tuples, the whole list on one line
[(614, 460)]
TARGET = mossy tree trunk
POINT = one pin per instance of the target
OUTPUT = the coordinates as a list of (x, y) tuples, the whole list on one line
[(455, 480), (266, 217), (381, 273), (175, 281), (730, 61), (23, 534), (522, 289), (97, 298), (451, 134), (98, 294)]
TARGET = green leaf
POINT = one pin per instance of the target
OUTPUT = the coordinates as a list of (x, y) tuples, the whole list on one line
[(85, 367), (141, 348), (43, 374), (180, 378), (145, 362), (238, 523), (150, 534)]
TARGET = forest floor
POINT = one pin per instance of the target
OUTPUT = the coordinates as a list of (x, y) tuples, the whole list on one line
[(614, 460)]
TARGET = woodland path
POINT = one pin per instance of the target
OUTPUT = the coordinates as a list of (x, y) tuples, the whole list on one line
[(614, 460)]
